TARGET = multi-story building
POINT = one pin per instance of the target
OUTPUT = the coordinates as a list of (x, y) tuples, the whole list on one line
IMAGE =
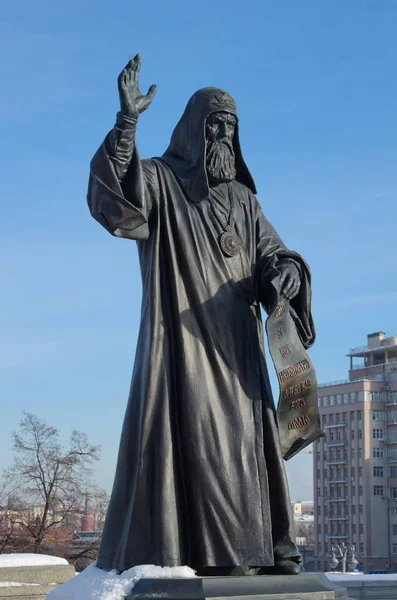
[(355, 465)]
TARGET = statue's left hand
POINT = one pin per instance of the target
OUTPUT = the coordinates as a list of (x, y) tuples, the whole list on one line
[(289, 280)]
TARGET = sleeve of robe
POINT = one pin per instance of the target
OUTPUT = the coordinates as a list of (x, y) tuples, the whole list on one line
[(271, 253), (122, 189)]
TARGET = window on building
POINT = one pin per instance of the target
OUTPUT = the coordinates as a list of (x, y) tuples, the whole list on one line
[(361, 547), (393, 493), (378, 471), (360, 471), (353, 528), (353, 509), (394, 548), (393, 436), (331, 435), (393, 471), (360, 452), (360, 434), (352, 452), (320, 549), (394, 529), (360, 490), (318, 492), (319, 510), (352, 434), (375, 396), (359, 415), (361, 528), (332, 400), (339, 398), (361, 509), (353, 472), (393, 416), (377, 434), (377, 453), (318, 474), (378, 415), (352, 416), (378, 490), (353, 490)]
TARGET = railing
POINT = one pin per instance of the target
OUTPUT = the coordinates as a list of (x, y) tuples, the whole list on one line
[(329, 383), (336, 462), (385, 343), (338, 518), (392, 459), (368, 378), (335, 443), (340, 499), (337, 480), (340, 424), (376, 363), (355, 349)]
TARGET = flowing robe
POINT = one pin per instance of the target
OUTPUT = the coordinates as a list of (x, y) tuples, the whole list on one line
[(200, 478)]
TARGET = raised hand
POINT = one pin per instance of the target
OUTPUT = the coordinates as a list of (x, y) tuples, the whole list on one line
[(132, 102)]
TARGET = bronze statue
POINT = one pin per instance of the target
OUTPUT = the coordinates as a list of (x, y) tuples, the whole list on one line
[(200, 479)]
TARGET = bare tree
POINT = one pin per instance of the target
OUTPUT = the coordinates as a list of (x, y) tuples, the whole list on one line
[(52, 479)]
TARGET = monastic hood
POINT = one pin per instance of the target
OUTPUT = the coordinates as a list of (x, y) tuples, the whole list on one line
[(186, 152)]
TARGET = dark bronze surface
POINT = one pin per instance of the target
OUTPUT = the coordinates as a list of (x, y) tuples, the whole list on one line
[(200, 477), (297, 409)]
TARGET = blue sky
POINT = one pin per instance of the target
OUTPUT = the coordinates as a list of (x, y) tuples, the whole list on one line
[(315, 85)]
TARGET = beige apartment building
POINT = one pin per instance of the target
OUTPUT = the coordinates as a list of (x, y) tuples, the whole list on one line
[(355, 465)]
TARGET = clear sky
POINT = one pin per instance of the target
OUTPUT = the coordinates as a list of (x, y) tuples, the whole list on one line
[(315, 85)]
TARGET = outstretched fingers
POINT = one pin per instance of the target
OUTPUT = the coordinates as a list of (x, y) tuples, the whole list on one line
[(151, 92)]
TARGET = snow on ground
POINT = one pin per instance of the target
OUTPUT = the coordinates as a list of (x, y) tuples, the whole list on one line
[(361, 576), (96, 584), (30, 560), (15, 584)]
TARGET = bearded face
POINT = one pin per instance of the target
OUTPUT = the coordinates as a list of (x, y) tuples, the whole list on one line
[(220, 158)]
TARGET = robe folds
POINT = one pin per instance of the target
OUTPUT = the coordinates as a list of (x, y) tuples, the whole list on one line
[(200, 479)]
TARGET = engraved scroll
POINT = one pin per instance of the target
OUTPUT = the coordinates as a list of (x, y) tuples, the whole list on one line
[(297, 410)]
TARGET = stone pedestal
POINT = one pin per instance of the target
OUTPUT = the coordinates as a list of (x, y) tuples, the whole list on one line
[(266, 587)]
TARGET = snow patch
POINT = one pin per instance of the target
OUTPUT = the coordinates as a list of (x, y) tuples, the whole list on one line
[(30, 560), (15, 584), (357, 576), (97, 584)]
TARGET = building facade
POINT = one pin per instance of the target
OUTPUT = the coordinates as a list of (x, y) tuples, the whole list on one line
[(355, 465)]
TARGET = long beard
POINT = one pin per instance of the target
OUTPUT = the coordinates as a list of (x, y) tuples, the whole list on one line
[(221, 164)]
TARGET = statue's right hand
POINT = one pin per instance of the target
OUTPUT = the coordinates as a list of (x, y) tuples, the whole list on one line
[(132, 102)]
